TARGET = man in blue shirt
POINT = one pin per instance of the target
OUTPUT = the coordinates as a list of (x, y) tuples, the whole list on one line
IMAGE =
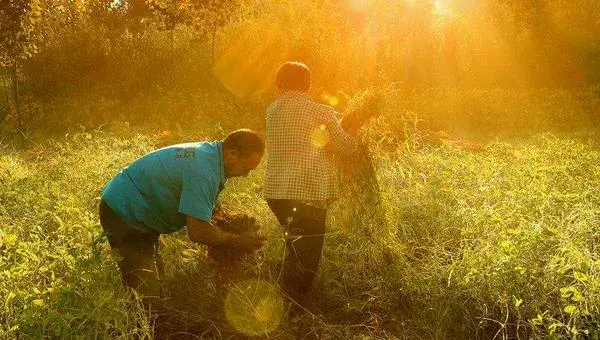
[(168, 189)]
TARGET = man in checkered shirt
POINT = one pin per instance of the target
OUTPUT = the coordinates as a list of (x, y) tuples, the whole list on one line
[(300, 181)]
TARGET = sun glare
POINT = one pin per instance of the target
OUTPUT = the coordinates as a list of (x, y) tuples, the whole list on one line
[(441, 7), (360, 5)]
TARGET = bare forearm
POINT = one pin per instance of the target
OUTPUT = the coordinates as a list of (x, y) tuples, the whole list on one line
[(211, 235), (203, 232)]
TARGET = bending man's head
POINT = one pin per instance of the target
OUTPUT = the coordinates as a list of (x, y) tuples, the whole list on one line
[(242, 152), (293, 76)]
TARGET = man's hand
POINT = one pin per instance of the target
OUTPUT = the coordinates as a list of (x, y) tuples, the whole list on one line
[(203, 232), (249, 242), (236, 223)]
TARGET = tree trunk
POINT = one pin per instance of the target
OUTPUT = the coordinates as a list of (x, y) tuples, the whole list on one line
[(172, 56), (212, 55), (15, 87), (5, 90), (172, 36)]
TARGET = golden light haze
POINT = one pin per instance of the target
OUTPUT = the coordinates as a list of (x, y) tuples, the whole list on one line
[(451, 59), (352, 43)]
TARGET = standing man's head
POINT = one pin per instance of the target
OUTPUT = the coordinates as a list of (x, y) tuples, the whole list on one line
[(242, 151), (293, 76)]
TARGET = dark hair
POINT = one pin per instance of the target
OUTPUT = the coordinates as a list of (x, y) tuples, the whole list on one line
[(245, 141), (294, 76)]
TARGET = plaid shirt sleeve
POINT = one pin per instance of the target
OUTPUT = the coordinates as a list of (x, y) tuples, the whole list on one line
[(340, 141)]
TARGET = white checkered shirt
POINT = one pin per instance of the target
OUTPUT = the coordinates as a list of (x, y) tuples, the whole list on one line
[(300, 132)]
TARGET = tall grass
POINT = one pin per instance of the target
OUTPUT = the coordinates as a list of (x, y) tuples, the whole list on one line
[(500, 243)]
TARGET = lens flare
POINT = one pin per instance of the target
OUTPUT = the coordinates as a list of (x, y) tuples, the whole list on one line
[(330, 99), (334, 101), (254, 307), (319, 137)]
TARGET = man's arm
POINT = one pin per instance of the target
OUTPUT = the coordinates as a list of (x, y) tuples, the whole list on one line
[(340, 141), (203, 232)]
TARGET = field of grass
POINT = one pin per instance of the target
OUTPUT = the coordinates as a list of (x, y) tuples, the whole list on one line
[(499, 243)]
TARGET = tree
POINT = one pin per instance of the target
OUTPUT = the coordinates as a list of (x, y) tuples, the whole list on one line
[(206, 17), (18, 20)]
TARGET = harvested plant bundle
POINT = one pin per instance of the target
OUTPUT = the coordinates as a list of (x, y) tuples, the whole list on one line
[(357, 175), (362, 107), (229, 262), (239, 224)]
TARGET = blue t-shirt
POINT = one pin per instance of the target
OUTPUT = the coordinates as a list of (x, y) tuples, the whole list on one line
[(157, 191)]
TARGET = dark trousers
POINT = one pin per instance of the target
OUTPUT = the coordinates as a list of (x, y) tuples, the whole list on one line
[(305, 231), (136, 253)]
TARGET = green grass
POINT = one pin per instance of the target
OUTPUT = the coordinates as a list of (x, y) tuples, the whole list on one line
[(501, 243)]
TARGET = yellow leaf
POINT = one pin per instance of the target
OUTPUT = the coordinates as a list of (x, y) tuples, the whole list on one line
[(10, 297), (10, 239), (517, 301)]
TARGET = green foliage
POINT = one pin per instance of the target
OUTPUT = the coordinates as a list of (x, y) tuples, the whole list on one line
[(56, 280), (480, 242), (107, 59), (499, 242), (18, 20), (203, 16), (512, 226), (490, 113)]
